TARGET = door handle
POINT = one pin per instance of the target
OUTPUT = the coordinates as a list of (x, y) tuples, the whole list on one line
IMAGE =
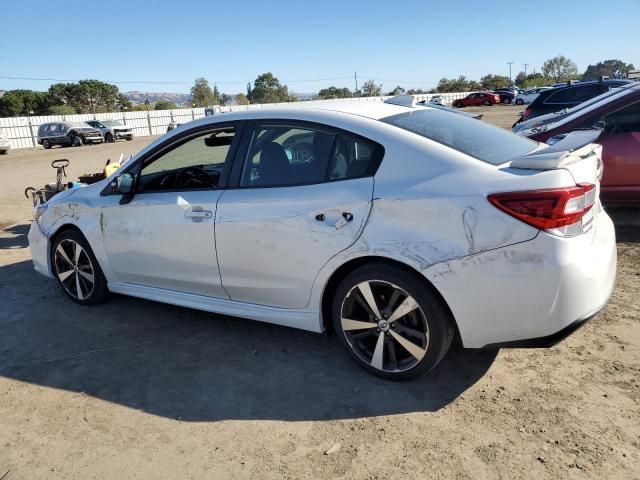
[(197, 214)]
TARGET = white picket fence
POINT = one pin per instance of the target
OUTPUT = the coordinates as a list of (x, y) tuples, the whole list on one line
[(23, 131)]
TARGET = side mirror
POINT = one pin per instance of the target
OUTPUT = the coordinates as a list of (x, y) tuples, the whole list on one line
[(125, 184)]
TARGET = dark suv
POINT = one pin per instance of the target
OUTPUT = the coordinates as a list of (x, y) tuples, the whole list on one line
[(559, 98), (69, 134)]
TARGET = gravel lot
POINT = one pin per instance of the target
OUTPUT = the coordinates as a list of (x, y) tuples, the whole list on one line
[(135, 389)]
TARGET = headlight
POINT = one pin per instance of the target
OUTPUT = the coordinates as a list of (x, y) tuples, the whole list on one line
[(39, 210)]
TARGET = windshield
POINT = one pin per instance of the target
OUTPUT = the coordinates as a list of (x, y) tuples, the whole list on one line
[(480, 140), (111, 123)]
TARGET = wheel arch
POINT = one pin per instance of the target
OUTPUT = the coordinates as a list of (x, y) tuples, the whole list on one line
[(346, 268)]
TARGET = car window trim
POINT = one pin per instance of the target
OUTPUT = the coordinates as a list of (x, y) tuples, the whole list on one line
[(243, 151), (174, 142)]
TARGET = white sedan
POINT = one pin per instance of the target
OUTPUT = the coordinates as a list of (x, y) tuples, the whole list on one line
[(396, 227), (528, 96)]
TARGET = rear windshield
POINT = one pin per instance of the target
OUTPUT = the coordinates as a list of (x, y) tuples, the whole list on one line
[(475, 138)]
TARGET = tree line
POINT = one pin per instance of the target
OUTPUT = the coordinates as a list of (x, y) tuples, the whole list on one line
[(94, 96)]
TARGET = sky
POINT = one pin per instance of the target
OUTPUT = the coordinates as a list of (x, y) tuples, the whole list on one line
[(163, 46)]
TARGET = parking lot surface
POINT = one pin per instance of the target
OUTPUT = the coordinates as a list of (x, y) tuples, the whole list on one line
[(136, 389)]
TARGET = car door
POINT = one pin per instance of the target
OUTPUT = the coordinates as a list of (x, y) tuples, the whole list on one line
[(303, 195), (164, 237), (621, 154)]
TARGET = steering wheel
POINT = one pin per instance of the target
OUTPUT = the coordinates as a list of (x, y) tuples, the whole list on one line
[(193, 177)]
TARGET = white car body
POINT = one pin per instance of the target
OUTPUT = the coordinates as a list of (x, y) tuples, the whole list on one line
[(528, 96), (263, 255), (438, 100)]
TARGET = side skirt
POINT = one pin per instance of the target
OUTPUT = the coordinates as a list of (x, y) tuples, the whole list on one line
[(295, 318)]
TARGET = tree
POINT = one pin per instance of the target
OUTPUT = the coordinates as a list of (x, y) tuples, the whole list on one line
[(23, 102), (334, 92), (460, 84), (86, 96), (610, 68), (165, 105), (225, 99), (61, 110), (241, 99), (370, 89), (123, 103), (560, 69), (397, 91), (493, 82), (201, 94), (415, 91), (267, 89), (216, 95)]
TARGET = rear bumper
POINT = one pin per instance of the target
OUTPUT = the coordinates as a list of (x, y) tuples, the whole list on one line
[(532, 293)]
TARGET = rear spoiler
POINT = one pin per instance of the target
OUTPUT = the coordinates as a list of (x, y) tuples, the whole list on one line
[(569, 148)]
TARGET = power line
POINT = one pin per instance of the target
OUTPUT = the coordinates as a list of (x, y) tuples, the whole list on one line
[(155, 82)]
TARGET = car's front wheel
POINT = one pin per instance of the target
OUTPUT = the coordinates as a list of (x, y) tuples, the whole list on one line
[(519, 101), (390, 322), (77, 270), (76, 140), (109, 138)]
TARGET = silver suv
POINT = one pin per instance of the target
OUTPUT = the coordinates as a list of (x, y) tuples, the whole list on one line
[(112, 130)]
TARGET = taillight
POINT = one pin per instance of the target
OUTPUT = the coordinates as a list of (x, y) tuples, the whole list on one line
[(559, 211)]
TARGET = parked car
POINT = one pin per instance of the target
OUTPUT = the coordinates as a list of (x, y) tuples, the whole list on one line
[(5, 144), (477, 98), (437, 100), (397, 227), (528, 96), (555, 99), (68, 134), (112, 130), (617, 115), (506, 95)]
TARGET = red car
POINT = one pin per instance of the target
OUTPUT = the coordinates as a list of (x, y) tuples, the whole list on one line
[(477, 98), (617, 114)]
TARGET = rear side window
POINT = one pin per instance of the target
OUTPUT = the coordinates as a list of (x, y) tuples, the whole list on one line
[(480, 140), (625, 120), (287, 155)]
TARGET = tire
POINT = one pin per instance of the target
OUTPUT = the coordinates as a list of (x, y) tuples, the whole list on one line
[(129, 139), (108, 138), (519, 101), (486, 103), (76, 141), (458, 105), (426, 330), (46, 144), (77, 271)]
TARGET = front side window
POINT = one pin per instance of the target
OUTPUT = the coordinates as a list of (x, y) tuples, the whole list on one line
[(281, 155), (196, 162)]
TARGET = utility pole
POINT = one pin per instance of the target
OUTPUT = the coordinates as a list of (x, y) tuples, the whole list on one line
[(525, 65), (510, 63), (355, 75)]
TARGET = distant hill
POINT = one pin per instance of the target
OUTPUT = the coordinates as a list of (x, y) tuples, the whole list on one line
[(140, 97)]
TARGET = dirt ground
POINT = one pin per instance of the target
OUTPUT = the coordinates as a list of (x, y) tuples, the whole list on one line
[(135, 389)]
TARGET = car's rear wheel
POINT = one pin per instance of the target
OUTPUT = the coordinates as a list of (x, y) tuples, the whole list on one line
[(109, 138), (77, 270), (46, 144), (486, 103), (390, 322), (519, 101)]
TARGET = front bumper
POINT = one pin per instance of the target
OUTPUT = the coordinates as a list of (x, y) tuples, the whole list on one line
[(125, 135), (532, 292), (93, 139), (39, 245)]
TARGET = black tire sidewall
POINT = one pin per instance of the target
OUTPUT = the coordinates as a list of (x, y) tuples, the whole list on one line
[(46, 144), (441, 330), (100, 290), (109, 138)]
